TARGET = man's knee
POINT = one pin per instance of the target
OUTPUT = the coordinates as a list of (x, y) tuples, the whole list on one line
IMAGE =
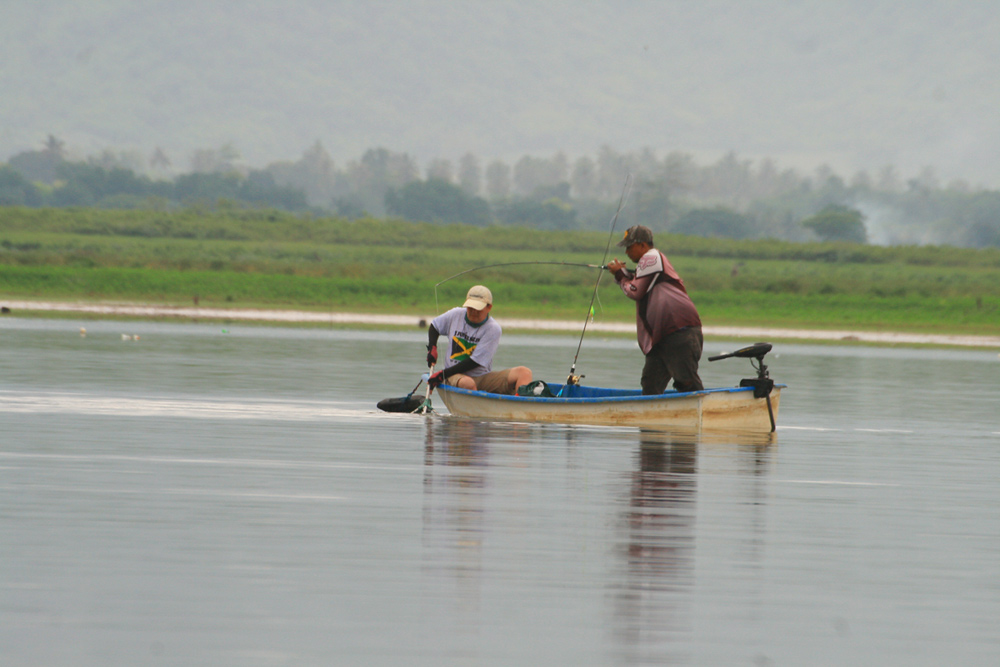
[(462, 382), (686, 378), (519, 375), (693, 385)]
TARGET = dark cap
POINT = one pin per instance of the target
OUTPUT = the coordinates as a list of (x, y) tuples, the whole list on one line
[(636, 234)]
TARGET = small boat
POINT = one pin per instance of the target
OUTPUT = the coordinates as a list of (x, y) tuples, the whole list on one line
[(734, 408), (750, 407)]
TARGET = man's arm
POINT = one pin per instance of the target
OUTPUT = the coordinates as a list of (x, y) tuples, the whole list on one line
[(636, 288), (432, 348), (633, 287), (462, 367)]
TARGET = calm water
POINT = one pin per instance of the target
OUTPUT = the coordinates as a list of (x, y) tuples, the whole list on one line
[(228, 495)]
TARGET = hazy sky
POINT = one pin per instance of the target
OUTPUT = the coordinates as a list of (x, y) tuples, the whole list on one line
[(856, 84)]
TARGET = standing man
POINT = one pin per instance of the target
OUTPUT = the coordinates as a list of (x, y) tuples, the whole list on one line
[(667, 323), (473, 338)]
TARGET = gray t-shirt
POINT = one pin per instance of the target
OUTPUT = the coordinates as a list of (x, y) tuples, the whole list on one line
[(465, 340)]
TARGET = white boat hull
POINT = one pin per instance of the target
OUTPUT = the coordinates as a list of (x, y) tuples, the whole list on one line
[(729, 409)]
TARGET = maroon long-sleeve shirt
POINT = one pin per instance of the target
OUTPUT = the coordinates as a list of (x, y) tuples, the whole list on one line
[(662, 302)]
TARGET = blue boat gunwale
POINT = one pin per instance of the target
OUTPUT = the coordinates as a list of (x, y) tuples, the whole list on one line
[(609, 396)]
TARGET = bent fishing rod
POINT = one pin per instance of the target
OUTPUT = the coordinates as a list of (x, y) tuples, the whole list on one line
[(573, 377), (492, 266)]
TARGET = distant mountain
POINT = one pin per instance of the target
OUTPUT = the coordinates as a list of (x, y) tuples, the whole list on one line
[(855, 84)]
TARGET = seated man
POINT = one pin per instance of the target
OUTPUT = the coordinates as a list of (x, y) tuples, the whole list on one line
[(474, 337)]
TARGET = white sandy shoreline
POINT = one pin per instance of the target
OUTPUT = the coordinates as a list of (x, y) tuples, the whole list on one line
[(293, 316)]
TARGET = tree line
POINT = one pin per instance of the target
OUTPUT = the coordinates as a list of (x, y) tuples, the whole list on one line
[(730, 198)]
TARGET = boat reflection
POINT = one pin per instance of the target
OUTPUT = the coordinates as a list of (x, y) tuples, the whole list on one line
[(648, 550), (652, 597), (651, 604), (455, 457), (458, 454)]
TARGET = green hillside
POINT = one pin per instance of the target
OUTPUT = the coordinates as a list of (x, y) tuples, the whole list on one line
[(277, 260)]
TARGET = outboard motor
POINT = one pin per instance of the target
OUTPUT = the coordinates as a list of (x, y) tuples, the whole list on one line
[(762, 384)]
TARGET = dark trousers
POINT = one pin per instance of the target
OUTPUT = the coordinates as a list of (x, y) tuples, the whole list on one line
[(674, 357)]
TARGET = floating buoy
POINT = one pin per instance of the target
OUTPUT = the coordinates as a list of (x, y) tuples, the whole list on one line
[(83, 332)]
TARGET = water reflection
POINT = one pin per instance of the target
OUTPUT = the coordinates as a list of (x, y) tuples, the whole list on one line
[(274, 517), (646, 600), (755, 456), (456, 454), (460, 507), (652, 605)]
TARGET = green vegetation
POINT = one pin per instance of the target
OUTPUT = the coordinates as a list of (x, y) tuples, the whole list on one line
[(838, 223), (268, 258), (730, 199)]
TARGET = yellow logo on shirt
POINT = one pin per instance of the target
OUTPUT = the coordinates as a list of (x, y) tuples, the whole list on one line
[(461, 349)]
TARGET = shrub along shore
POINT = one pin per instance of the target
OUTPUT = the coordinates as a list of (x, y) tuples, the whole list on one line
[(265, 259)]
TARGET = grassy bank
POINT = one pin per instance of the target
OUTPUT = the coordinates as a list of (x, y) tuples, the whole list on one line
[(266, 259)]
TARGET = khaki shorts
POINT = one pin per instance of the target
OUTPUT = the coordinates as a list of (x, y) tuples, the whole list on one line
[(495, 382)]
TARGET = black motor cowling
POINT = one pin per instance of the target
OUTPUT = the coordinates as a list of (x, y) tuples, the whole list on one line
[(755, 351), (762, 384)]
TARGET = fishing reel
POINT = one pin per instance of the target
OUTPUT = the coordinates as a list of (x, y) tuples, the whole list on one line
[(762, 384), (574, 379)]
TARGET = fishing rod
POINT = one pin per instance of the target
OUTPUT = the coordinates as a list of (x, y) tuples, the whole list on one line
[(491, 266), (573, 378)]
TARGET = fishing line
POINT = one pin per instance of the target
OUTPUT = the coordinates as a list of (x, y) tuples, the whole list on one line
[(574, 379), (491, 266)]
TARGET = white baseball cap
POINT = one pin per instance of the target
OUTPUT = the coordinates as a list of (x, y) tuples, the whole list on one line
[(478, 297)]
